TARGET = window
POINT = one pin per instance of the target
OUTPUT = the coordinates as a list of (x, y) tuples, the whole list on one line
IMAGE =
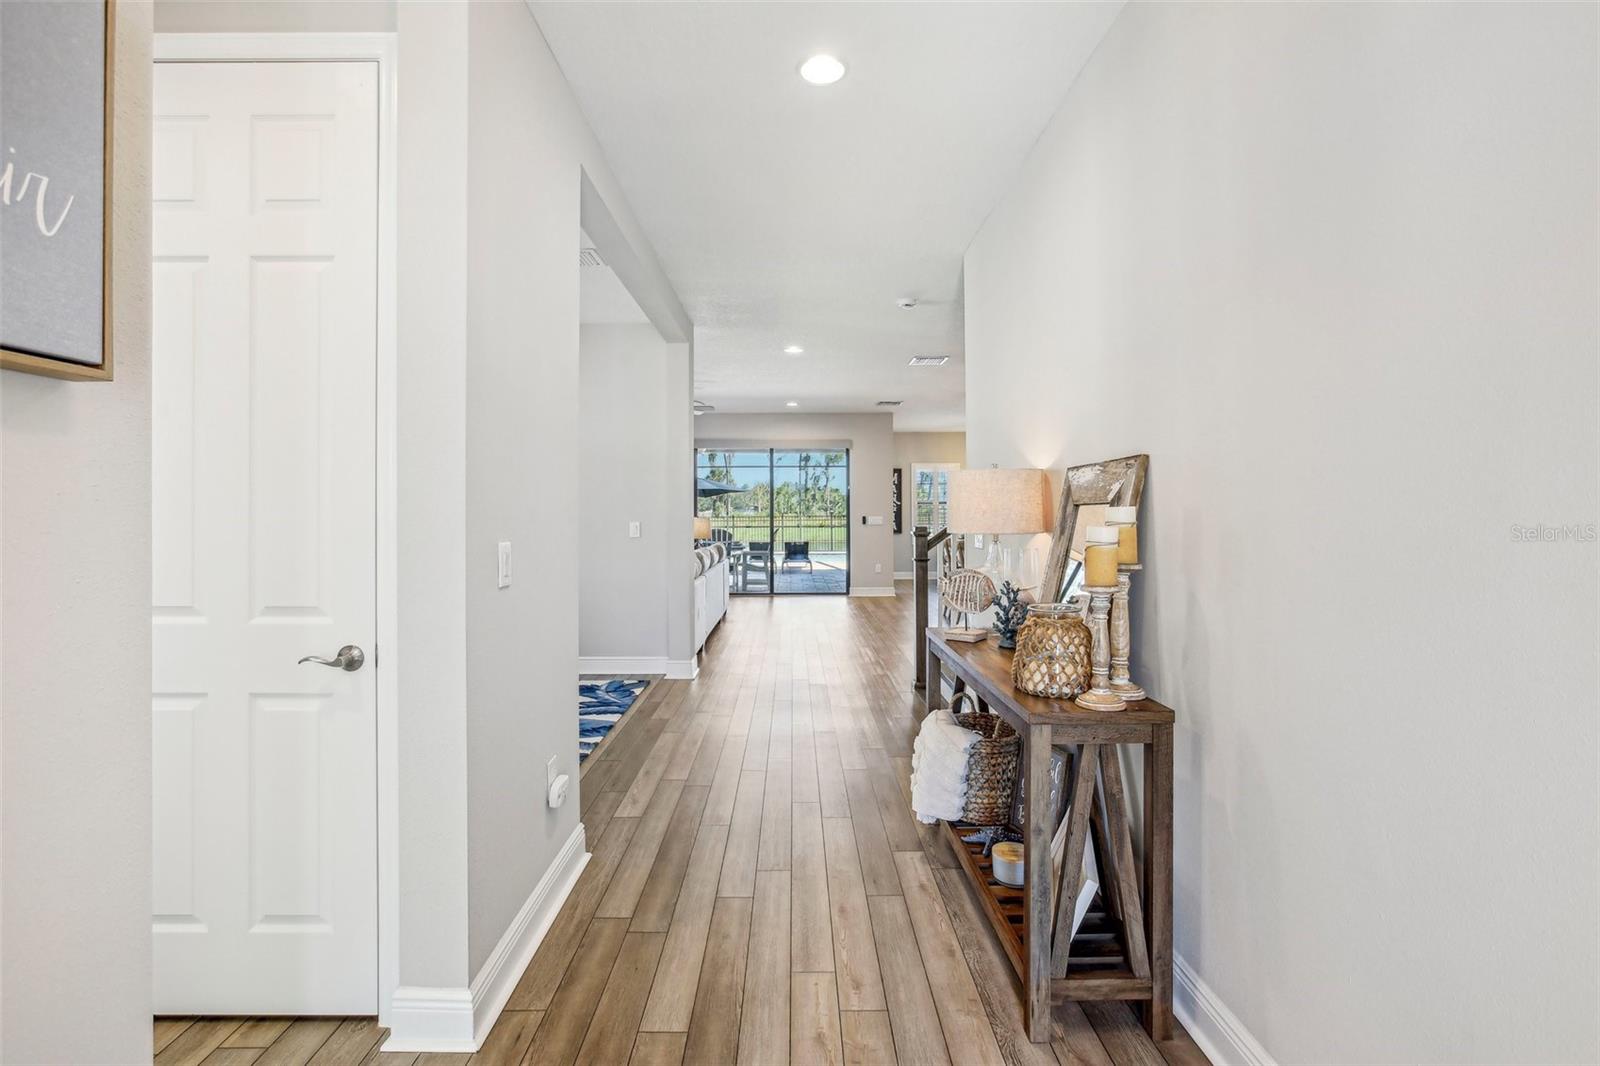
[(932, 486)]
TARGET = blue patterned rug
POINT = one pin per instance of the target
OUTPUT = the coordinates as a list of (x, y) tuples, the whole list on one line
[(601, 704)]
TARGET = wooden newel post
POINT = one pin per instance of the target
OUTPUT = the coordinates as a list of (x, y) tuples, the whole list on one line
[(920, 600)]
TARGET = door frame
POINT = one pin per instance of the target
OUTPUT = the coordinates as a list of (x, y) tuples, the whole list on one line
[(378, 48)]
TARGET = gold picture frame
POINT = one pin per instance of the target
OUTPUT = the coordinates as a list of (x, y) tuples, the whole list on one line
[(66, 369), (1086, 490)]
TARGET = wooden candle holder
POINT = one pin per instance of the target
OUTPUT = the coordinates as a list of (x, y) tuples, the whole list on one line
[(1122, 635), (1100, 696)]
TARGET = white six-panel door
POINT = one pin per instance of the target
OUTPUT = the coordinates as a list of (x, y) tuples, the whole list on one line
[(265, 184)]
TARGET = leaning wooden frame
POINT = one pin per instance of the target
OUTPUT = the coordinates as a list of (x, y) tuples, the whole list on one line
[(1110, 483)]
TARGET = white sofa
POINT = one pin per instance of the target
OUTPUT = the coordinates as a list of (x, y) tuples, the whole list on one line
[(710, 591)]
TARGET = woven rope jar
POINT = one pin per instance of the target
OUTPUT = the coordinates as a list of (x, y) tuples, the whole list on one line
[(1053, 651)]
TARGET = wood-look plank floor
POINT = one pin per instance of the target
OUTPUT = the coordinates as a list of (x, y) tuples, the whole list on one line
[(759, 893)]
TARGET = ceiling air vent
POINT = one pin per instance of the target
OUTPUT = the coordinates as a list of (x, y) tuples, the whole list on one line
[(589, 257), (890, 403), (929, 360)]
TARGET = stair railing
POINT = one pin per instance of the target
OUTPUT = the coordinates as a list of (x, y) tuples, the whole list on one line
[(923, 542)]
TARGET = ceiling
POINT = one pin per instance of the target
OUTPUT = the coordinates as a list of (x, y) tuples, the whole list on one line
[(786, 213)]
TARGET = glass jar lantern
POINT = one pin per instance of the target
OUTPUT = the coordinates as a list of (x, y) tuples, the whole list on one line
[(1053, 651)]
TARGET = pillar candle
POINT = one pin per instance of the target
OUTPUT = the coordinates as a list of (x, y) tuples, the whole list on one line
[(1100, 557), (1125, 521)]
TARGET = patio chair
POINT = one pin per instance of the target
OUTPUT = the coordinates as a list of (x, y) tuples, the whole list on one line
[(758, 565), (797, 552)]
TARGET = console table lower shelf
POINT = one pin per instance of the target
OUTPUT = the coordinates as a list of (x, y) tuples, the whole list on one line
[(1097, 967)]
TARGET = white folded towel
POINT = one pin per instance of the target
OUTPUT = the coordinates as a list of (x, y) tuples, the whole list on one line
[(939, 768)]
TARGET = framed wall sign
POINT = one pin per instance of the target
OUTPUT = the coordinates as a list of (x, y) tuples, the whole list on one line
[(896, 487), (55, 187)]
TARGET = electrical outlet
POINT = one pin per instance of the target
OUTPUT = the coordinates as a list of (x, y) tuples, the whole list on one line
[(633, 529), (877, 568), (503, 568)]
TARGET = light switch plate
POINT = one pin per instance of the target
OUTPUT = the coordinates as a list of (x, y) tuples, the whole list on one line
[(503, 569), (633, 529), (874, 519)]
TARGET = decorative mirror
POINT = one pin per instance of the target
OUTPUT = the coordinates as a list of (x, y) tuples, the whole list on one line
[(1085, 494)]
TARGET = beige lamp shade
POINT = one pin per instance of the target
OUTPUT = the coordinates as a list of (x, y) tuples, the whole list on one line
[(997, 501), (702, 527)]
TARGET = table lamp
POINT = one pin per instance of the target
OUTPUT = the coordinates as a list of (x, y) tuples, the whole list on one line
[(702, 527), (991, 502), (994, 501)]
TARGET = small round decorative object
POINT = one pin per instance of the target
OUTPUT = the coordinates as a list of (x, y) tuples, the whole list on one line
[(1008, 862), (1053, 656)]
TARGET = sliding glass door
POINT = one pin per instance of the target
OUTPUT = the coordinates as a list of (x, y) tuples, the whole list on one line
[(784, 513)]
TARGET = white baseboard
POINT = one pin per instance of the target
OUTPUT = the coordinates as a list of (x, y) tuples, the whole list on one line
[(1215, 1028), (620, 664), (905, 575), (431, 1019), (683, 669), (459, 1019), (873, 591), (657, 665), (503, 968)]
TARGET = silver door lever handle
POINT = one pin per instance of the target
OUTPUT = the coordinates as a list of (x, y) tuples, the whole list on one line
[(350, 657)]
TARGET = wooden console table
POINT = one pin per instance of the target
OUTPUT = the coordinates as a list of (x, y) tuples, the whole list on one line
[(1123, 951)]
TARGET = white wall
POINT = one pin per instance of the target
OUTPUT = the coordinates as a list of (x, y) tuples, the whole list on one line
[(1334, 268), (624, 477), (909, 450), (871, 444), (75, 658)]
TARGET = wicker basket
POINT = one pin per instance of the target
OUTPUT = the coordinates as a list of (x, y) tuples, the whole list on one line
[(991, 764)]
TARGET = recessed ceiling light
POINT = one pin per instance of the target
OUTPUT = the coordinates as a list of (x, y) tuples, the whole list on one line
[(791, 403), (928, 360), (822, 70), (793, 349)]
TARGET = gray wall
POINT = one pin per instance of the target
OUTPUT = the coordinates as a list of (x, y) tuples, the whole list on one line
[(75, 659), (432, 444), (1334, 268), (623, 467), (870, 439), (528, 150), (910, 449)]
